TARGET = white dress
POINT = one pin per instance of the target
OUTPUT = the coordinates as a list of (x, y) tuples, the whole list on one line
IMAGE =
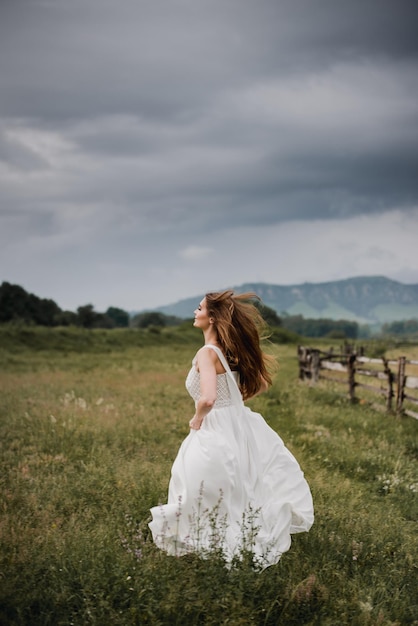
[(234, 485)]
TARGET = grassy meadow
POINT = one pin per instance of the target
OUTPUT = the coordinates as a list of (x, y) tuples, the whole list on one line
[(90, 424)]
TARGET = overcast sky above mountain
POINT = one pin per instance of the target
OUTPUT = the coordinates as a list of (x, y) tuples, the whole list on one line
[(151, 150)]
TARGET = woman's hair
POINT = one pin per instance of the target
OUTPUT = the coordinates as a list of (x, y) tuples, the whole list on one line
[(239, 324)]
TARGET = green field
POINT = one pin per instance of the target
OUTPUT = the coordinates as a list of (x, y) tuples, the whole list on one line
[(90, 425)]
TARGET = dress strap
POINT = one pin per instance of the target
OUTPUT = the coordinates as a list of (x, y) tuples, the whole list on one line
[(234, 389)]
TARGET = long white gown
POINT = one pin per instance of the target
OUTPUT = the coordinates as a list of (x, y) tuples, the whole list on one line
[(234, 485)]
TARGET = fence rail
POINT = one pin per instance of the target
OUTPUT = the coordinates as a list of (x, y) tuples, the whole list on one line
[(352, 370)]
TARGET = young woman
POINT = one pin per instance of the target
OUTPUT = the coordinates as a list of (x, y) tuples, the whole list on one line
[(234, 485)]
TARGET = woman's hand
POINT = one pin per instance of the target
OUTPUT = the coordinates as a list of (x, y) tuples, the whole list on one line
[(195, 423)]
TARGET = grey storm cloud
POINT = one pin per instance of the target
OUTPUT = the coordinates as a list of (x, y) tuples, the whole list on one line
[(292, 78), (162, 59), (126, 120)]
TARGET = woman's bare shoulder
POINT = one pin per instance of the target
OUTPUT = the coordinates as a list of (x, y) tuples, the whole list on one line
[(206, 354), (209, 357)]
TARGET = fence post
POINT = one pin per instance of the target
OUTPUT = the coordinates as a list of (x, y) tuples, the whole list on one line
[(401, 385), (351, 377), (302, 362), (315, 365), (390, 376)]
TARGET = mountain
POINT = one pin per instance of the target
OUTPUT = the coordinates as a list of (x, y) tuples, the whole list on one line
[(364, 299)]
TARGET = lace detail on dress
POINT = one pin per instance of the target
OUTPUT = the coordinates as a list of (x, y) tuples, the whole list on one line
[(223, 395)]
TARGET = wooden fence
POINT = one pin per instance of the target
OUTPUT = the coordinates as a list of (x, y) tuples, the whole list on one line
[(392, 379)]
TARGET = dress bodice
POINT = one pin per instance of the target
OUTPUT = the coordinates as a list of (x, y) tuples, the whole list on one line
[(223, 394)]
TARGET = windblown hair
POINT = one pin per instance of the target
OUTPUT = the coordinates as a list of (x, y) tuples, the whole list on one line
[(239, 325)]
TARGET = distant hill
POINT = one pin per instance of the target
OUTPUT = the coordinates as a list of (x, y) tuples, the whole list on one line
[(364, 299)]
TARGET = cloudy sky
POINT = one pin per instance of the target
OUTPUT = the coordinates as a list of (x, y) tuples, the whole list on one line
[(151, 150)]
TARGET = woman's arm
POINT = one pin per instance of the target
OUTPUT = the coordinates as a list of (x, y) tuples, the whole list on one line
[(206, 364)]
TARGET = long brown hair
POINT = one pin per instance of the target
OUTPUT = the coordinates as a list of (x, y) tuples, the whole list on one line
[(239, 326)]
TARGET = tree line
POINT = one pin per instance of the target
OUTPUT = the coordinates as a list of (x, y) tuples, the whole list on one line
[(333, 329), (402, 327), (17, 305)]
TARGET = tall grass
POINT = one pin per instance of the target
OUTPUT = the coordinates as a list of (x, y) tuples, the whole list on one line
[(87, 438)]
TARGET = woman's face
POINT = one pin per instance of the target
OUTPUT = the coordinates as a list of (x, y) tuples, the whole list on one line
[(201, 317)]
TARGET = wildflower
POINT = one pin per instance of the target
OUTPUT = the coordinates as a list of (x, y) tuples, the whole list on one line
[(304, 591), (367, 607), (356, 547), (81, 403)]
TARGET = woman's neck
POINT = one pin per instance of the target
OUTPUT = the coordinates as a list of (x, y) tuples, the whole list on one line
[(211, 336)]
